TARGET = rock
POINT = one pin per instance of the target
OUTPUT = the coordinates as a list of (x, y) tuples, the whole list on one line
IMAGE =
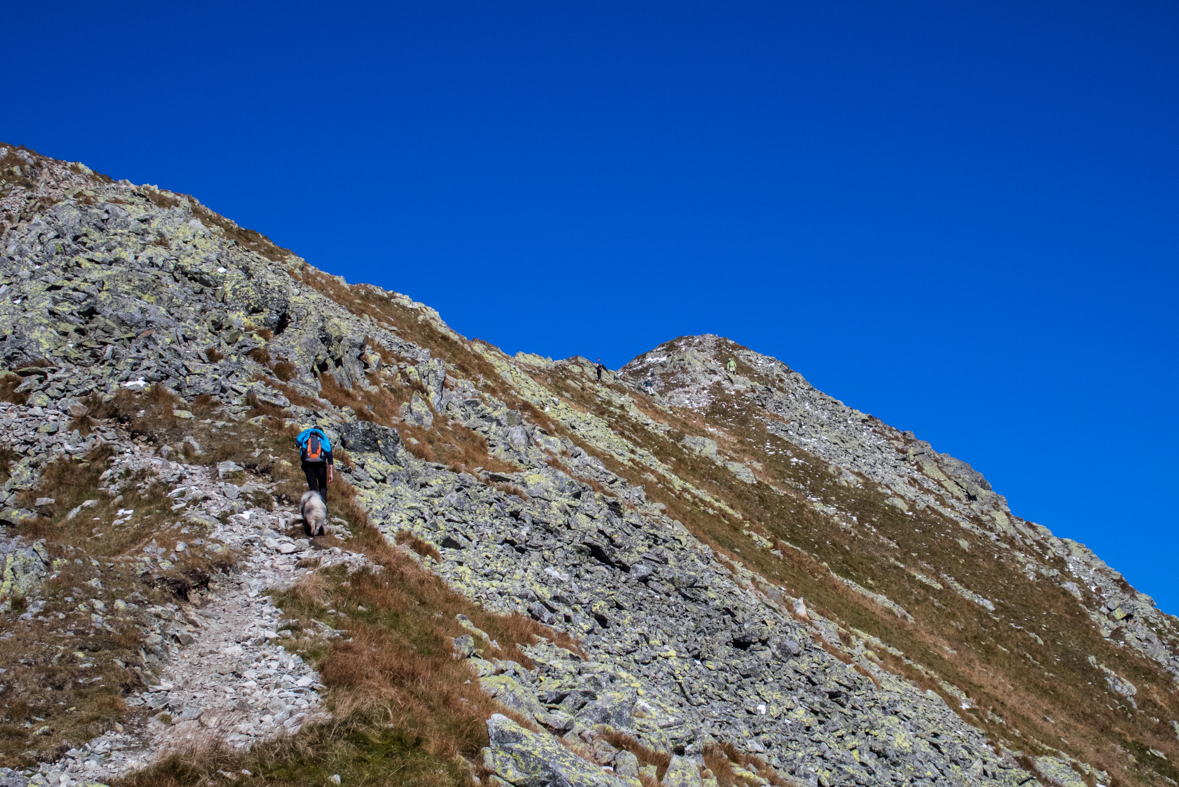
[(417, 412), (265, 395), (1059, 772), (800, 609), (11, 778), (530, 759), (788, 648), (626, 765), (228, 467), (509, 693), (364, 436), (682, 772), (23, 568), (702, 445), (612, 708), (743, 473), (464, 646), (39, 399)]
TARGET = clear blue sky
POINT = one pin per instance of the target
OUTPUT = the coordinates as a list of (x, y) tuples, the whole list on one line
[(961, 217)]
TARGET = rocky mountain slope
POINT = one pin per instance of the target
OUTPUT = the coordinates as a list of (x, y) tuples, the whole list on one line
[(533, 578)]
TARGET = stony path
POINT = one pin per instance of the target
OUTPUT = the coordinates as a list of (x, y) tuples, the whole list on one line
[(226, 680)]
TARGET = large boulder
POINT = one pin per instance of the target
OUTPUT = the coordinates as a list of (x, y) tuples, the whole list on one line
[(367, 437)]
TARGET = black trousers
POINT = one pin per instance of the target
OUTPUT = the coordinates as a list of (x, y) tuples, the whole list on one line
[(316, 473)]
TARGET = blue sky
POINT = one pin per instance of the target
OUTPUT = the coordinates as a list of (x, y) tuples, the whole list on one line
[(960, 217)]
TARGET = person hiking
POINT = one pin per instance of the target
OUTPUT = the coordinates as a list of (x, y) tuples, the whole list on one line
[(649, 386), (315, 455), (731, 366), (601, 369)]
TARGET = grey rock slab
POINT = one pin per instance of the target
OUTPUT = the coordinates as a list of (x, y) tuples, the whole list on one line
[(682, 772), (509, 693), (530, 759)]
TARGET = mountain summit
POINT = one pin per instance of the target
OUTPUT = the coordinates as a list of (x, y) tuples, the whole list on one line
[(698, 570)]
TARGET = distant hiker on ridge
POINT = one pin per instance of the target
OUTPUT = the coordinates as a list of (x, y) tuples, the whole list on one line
[(731, 366), (600, 369)]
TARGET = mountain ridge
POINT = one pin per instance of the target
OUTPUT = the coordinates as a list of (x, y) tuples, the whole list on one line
[(737, 560)]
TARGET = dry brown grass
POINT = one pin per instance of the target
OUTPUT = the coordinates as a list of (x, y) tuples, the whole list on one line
[(834, 651), (9, 382), (380, 407), (65, 678), (160, 199), (263, 408), (285, 371), (8, 458), (259, 355), (423, 548), (646, 756), (294, 395), (510, 489), (459, 448), (720, 758), (867, 673)]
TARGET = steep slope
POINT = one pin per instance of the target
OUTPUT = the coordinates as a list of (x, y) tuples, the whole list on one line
[(1029, 626), (737, 580)]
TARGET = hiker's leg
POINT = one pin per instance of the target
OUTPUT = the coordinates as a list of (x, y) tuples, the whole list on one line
[(321, 478), (316, 473)]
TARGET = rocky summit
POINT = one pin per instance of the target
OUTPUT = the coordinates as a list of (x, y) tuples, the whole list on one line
[(697, 571)]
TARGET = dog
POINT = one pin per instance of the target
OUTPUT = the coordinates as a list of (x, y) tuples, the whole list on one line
[(314, 513)]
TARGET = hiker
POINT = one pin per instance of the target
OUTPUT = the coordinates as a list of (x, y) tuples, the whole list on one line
[(731, 366), (649, 386), (315, 454), (600, 369)]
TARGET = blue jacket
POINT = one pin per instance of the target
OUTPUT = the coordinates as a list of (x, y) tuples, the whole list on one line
[(323, 441)]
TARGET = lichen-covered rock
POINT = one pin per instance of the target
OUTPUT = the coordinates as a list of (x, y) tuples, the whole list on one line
[(22, 567), (535, 759), (682, 772), (509, 693), (417, 412), (1059, 772)]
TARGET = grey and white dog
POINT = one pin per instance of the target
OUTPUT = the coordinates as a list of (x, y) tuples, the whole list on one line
[(314, 513)]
